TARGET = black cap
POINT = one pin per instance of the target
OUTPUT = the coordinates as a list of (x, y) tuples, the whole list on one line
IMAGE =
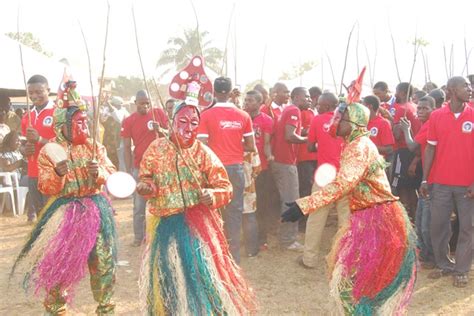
[(223, 85)]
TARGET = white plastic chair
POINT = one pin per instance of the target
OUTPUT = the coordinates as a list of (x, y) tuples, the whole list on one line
[(13, 179)]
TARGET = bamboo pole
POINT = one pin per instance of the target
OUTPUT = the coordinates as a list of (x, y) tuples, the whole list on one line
[(345, 58), (23, 67), (394, 53)]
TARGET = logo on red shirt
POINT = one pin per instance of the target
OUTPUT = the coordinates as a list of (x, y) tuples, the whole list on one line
[(374, 131), (467, 127), (150, 125), (48, 121), (230, 125)]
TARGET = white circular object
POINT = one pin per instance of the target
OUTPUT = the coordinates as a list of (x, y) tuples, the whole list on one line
[(197, 62), (325, 174), (121, 185), (55, 152), (184, 75), (174, 87)]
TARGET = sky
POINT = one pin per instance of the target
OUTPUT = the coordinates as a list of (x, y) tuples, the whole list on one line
[(266, 37)]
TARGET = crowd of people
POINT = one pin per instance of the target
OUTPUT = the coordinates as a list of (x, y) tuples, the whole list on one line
[(256, 160)]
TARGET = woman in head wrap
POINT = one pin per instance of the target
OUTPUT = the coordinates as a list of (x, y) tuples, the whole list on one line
[(373, 261)]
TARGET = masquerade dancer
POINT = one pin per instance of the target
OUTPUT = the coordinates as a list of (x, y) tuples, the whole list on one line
[(187, 267), (76, 229), (372, 264)]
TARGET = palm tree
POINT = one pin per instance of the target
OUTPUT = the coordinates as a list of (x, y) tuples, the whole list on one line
[(184, 48)]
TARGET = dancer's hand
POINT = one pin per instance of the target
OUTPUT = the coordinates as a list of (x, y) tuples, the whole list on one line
[(93, 168), (206, 198), (292, 214), (144, 188), (61, 168)]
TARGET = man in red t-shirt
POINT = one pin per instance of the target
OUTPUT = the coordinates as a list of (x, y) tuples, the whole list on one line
[(284, 145), (228, 131), (329, 151), (418, 145), (141, 129), (263, 129), (379, 127), (449, 164), (404, 184), (281, 95), (387, 101), (37, 135)]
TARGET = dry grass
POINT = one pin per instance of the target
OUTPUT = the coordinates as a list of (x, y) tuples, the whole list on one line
[(282, 287)]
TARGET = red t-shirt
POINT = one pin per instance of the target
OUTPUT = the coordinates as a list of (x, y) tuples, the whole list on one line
[(303, 153), (329, 148), (139, 128), (380, 131), (454, 139), (409, 110), (262, 124), (283, 151), (42, 122), (273, 110), (224, 126)]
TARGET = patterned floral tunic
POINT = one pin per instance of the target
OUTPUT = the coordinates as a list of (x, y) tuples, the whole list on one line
[(172, 178), (362, 176), (76, 183)]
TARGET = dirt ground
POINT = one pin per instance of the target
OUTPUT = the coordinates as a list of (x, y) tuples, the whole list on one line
[(282, 287)]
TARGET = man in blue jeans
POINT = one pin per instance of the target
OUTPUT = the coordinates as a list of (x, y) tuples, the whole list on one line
[(222, 128), (141, 129)]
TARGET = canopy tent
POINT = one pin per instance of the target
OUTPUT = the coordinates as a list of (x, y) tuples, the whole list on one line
[(11, 75)]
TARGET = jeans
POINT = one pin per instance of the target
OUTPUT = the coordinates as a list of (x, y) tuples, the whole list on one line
[(250, 228), (264, 206), (422, 222), (232, 214), (444, 199), (306, 176), (286, 179), (36, 199), (139, 207)]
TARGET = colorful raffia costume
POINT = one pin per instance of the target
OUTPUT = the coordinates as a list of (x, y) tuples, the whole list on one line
[(373, 261), (76, 229), (187, 267)]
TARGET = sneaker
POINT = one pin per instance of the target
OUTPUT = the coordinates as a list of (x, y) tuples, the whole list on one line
[(296, 246)]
